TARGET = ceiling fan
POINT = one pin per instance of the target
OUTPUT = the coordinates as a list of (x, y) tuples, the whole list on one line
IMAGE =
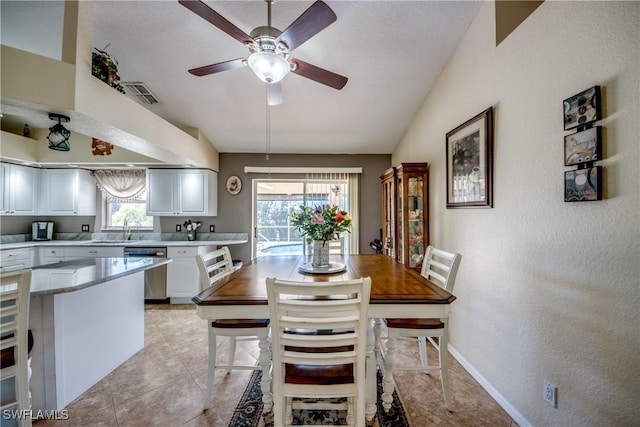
[(270, 48)]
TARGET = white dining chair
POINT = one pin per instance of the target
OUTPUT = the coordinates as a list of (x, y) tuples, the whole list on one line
[(319, 332), (214, 268), (15, 343), (441, 268)]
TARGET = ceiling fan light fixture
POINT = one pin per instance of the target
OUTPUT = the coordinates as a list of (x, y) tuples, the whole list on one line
[(268, 66)]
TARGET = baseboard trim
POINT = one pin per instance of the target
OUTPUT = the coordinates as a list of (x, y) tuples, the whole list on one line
[(504, 403)]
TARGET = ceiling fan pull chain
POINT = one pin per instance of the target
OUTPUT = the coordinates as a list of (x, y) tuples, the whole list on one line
[(268, 138)]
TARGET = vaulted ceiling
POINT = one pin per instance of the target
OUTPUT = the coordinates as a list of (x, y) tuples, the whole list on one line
[(391, 52)]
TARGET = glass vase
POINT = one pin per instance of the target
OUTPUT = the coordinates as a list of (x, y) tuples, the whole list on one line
[(320, 254), (191, 235)]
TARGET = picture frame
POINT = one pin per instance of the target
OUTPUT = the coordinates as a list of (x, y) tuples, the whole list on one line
[(583, 147), (583, 185), (582, 109), (470, 163)]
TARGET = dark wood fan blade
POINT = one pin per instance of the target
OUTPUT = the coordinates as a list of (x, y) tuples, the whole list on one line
[(313, 20), (210, 15), (216, 68), (318, 74), (274, 93)]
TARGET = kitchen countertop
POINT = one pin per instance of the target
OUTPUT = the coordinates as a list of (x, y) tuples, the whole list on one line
[(71, 276), (123, 243)]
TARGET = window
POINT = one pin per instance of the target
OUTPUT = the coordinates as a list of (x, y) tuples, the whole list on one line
[(135, 213), (123, 198)]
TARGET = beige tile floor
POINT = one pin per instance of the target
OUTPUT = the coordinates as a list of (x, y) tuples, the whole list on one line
[(164, 383)]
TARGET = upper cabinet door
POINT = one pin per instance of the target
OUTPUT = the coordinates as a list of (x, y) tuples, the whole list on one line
[(182, 192), (24, 190), (192, 192), (68, 192), (18, 190), (60, 188), (4, 189), (160, 192)]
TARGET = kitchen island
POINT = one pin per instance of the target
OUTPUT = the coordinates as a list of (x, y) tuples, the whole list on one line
[(87, 318)]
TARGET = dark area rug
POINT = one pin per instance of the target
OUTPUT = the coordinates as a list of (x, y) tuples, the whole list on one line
[(249, 410)]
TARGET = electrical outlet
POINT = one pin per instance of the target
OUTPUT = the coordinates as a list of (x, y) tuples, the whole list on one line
[(178, 227), (212, 228), (85, 227), (549, 392)]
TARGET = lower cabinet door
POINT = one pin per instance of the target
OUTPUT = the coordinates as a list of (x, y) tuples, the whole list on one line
[(183, 278)]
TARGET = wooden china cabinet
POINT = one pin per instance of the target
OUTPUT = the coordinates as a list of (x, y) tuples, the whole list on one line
[(405, 213)]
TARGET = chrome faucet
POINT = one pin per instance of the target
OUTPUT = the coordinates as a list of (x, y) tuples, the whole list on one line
[(127, 230)]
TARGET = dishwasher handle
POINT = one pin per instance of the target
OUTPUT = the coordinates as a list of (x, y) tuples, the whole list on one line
[(156, 253)]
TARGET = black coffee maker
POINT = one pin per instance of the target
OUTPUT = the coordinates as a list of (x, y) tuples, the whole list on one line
[(42, 230)]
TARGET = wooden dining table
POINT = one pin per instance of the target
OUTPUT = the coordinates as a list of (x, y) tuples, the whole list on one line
[(396, 291)]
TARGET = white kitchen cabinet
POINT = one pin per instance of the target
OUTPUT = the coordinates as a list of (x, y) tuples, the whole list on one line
[(182, 192), (183, 278), (92, 252), (68, 192), (15, 259), (18, 190), (51, 255)]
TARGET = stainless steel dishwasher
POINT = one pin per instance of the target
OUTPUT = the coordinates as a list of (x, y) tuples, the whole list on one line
[(155, 279)]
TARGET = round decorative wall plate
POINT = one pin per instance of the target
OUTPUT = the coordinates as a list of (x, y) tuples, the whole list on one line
[(234, 185)]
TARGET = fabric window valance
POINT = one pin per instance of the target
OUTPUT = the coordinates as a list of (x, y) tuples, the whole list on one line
[(121, 185)]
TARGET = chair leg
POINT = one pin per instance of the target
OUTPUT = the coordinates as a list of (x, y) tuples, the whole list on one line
[(232, 353), (279, 412), (22, 394), (370, 377), (377, 331), (444, 368), (264, 360), (288, 411), (212, 369), (350, 419), (29, 373), (422, 347), (389, 363)]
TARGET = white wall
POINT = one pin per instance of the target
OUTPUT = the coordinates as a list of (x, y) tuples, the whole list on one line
[(546, 289)]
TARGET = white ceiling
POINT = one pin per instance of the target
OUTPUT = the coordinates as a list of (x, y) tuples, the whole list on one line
[(391, 51)]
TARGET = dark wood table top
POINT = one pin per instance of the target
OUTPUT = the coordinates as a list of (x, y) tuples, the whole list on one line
[(391, 282)]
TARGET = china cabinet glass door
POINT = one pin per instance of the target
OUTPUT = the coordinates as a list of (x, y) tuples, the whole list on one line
[(388, 237), (413, 213)]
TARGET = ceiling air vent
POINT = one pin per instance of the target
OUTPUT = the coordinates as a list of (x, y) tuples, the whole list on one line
[(140, 91)]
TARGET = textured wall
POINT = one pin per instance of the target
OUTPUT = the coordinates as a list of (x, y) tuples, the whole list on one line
[(546, 289)]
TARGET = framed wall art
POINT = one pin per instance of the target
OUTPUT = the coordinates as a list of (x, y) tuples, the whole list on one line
[(234, 185), (583, 147), (582, 109), (470, 163), (583, 184)]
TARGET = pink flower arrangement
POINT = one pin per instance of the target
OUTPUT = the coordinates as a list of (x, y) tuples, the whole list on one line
[(325, 222)]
